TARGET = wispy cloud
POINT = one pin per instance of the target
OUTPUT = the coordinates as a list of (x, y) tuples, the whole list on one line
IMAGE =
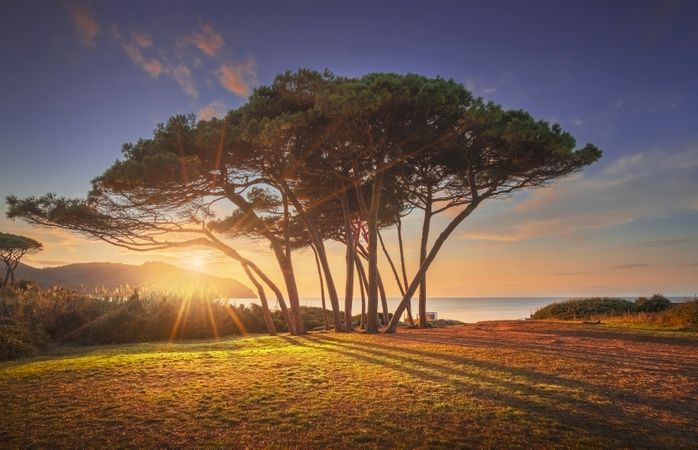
[(638, 186), (134, 49), (206, 39), (141, 40), (182, 76), (238, 78), (214, 109), (84, 23), (140, 43)]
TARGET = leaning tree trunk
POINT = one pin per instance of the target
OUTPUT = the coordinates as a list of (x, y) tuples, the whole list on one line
[(282, 258), (268, 321), (229, 251), (392, 326), (291, 287), (423, 256), (279, 298), (322, 255)]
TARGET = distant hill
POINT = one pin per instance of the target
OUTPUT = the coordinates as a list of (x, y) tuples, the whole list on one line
[(150, 275)]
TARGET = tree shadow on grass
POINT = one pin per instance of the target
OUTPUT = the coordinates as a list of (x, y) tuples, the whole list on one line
[(592, 350), (624, 427)]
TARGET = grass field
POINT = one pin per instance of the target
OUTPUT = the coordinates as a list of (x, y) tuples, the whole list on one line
[(489, 385)]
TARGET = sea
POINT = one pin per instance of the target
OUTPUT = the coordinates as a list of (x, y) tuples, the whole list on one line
[(464, 309)]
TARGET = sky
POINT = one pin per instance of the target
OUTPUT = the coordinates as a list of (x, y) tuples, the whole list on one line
[(80, 78)]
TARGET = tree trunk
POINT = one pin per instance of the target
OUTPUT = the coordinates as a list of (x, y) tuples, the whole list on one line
[(392, 326), (363, 284), (349, 258), (372, 226), (291, 287), (402, 265), (279, 298), (7, 274), (268, 321), (229, 251), (423, 256), (395, 274), (284, 261), (322, 288), (13, 266), (392, 265), (322, 255), (384, 300)]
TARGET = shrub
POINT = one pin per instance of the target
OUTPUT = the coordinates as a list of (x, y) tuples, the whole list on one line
[(582, 309), (15, 341), (655, 303), (32, 318), (18, 340)]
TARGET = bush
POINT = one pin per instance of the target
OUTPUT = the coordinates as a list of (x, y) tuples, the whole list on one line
[(656, 312), (583, 309), (17, 340), (655, 303), (681, 315), (32, 318)]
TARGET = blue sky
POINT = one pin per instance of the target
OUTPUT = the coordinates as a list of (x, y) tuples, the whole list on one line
[(81, 78)]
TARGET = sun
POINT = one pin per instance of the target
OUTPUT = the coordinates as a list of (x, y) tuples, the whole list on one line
[(197, 261)]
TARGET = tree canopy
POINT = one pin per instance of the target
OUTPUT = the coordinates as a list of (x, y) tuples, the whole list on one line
[(315, 157), (12, 248)]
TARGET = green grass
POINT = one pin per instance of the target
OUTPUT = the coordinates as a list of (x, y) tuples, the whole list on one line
[(486, 386)]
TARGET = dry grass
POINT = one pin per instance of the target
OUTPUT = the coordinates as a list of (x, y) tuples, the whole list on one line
[(490, 385), (681, 316)]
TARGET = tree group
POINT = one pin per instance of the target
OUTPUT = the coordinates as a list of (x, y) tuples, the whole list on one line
[(314, 158)]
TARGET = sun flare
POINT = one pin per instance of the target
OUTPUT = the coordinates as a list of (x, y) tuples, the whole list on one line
[(197, 261)]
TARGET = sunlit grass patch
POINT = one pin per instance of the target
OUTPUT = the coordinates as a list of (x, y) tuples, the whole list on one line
[(437, 388)]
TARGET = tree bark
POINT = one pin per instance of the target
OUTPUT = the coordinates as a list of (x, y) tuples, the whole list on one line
[(363, 283), (291, 287), (392, 326), (372, 226), (423, 256), (349, 258), (282, 259), (392, 265), (268, 321), (384, 300), (322, 255), (395, 273), (229, 251), (322, 288), (402, 265)]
